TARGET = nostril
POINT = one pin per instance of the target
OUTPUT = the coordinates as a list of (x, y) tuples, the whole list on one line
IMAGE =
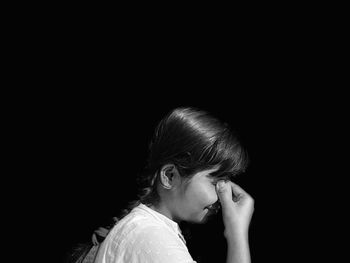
[(216, 206)]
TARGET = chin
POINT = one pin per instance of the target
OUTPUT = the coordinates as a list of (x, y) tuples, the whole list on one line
[(201, 218), (204, 220), (210, 214)]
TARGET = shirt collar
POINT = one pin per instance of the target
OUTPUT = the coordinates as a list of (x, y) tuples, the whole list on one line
[(160, 217)]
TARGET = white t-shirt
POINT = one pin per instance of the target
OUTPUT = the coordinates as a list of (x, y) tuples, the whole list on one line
[(144, 236)]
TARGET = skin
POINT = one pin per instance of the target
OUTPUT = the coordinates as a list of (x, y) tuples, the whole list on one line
[(236, 216), (187, 200)]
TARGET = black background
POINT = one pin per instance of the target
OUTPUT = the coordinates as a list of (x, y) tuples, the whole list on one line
[(83, 125), (90, 147)]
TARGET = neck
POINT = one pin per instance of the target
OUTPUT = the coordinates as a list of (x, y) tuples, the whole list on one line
[(164, 210)]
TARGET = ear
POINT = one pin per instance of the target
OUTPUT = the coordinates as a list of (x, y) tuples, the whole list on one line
[(168, 176)]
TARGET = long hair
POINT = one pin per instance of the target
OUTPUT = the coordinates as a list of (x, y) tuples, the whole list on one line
[(193, 140)]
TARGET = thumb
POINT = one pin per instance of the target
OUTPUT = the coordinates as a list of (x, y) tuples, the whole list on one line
[(224, 192)]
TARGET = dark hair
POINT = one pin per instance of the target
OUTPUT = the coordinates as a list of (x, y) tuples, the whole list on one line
[(193, 140)]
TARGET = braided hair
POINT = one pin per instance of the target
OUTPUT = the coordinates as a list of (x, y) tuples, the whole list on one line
[(193, 140)]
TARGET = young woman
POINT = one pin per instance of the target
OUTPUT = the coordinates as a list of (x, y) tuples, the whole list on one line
[(192, 158)]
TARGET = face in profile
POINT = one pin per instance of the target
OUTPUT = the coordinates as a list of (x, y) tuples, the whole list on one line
[(197, 198)]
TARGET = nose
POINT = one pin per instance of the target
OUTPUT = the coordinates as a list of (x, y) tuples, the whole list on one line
[(214, 208), (216, 196), (216, 200)]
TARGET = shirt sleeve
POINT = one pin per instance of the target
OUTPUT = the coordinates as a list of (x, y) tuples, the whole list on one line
[(157, 245)]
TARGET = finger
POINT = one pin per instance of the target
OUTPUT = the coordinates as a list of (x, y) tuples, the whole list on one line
[(236, 189), (224, 192), (238, 192), (94, 240), (101, 231)]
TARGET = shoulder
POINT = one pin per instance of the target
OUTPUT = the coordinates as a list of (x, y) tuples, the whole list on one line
[(159, 244), (136, 228), (151, 233), (141, 240)]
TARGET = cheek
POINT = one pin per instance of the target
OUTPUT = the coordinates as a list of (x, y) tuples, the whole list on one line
[(201, 195)]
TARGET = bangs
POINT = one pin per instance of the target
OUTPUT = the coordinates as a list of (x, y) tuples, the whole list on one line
[(227, 153), (201, 142)]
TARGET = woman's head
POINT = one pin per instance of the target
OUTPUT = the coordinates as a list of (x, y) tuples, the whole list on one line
[(189, 142)]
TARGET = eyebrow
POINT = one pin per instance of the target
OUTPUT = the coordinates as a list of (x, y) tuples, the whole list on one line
[(222, 176), (211, 174)]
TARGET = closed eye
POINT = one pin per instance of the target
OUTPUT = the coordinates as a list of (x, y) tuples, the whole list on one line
[(214, 182)]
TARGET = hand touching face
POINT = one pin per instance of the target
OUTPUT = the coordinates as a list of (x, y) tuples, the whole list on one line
[(195, 197)]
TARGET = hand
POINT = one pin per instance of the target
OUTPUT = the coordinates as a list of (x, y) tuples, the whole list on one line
[(237, 207), (99, 234)]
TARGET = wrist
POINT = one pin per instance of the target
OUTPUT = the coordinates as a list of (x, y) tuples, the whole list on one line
[(238, 242), (236, 234), (238, 249)]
